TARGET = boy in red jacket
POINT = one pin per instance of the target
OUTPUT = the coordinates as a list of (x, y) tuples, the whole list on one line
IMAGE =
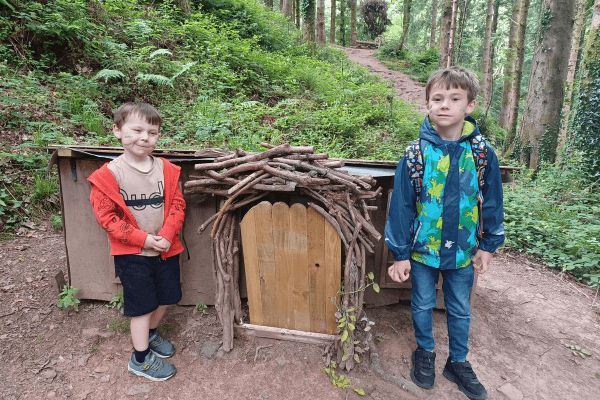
[(137, 201)]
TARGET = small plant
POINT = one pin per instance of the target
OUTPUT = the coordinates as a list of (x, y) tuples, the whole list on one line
[(121, 325), (39, 336), (201, 307), (117, 301), (67, 298), (94, 349), (167, 329), (56, 222), (578, 351), (338, 381)]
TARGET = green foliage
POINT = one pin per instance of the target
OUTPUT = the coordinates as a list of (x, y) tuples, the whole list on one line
[(200, 306), (418, 65), (374, 15), (121, 325), (117, 301), (578, 351), (556, 217), (167, 329), (67, 298), (56, 222), (338, 381)]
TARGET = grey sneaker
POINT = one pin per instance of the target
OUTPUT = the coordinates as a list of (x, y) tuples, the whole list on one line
[(152, 368), (161, 347)]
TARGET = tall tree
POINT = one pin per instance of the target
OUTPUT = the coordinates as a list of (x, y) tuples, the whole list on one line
[(450, 56), (332, 24), (185, 6), (297, 6), (269, 3), (405, 22), (321, 21), (578, 29), (586, 123), (434, 6), (353, 23), (463, 16), (287, 8), (487, 63), (541, 117), (513, 70), (445, 28), (308, 20)]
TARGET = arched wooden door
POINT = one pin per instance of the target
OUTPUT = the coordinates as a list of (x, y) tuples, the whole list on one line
[(292, 258)]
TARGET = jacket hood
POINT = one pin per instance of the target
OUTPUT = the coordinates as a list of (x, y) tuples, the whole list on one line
[(428, 132)]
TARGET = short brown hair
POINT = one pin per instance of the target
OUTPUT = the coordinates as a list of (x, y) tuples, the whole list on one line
[(143, 109), (454, 77)]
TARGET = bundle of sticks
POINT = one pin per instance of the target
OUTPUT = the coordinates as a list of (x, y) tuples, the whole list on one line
[(242, 178)]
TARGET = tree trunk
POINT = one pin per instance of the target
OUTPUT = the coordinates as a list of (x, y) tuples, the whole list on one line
[(353, 24), (452, 34), (434, 6), (445, 28), (405, 22), (269, 3), (463, 17), (578, 29), (297, 6), (185, 6), (321, 21), (487, 64), (308, 20), (541, 118), (332, 27), (513, 69), (586, 123), (288, 9)]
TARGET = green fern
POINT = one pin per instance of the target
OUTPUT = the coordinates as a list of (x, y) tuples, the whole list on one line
[(109, 73), (159, 80), (7, 4), (287, 102), (160, 52), (249, 104), (182, 70)]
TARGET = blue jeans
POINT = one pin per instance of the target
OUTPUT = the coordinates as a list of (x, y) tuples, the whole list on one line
[(456, 286)]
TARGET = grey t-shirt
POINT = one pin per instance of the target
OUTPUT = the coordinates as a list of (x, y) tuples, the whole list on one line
[(143, 192)]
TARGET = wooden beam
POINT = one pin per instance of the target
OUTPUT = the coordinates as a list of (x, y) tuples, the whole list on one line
[(284, 334)]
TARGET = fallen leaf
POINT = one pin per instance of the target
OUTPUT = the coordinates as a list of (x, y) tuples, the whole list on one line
[(42, 260), (8, 287), (51, 327), (100, 370), (109, 357), (21, 259), (18, 300), (29, 280)]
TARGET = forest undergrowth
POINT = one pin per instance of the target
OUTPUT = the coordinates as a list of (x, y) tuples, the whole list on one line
[(231, 74)]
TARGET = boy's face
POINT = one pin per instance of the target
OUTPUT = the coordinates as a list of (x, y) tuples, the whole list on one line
[(447, 107), (138, 136)]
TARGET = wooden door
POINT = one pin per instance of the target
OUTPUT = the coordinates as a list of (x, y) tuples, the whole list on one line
[(292, 258)]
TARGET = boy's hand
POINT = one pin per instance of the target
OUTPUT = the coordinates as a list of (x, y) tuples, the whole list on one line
[(400, 270), (156, 243), (482, 261)]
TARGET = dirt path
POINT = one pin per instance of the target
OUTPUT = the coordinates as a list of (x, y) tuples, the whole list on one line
[(406, 88), (522, 318)]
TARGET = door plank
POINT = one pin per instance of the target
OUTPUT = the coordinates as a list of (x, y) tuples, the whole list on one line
[(266, 262), (333, 256), (283, 265), (251, 265), (315, 225), (298, 247)]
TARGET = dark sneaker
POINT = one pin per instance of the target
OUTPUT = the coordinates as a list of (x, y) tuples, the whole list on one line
[(161, 347), (152, 368), (462, 374), (423, 370)]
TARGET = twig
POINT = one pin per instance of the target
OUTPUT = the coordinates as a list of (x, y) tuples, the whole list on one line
[(7, 314), (260, 348), (596, 296)]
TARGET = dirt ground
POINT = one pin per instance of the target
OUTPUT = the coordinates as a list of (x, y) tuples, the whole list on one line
[(523, 316)]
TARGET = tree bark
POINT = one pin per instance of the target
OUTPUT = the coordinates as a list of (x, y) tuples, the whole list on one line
[(353, 24), (452, 34), (445, 28), (332, 24), (321, 21), (541, 117), (487, 63), (434, 7), (269, 3), (185, 6), (463, 17), (287, 8), (513, 69), (578, 29), (308, 20), (405, 22), (297, 8)]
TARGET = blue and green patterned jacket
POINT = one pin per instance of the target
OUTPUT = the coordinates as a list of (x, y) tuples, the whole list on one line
[(445, 226)]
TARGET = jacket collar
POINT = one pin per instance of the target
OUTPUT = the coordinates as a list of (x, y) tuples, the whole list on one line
[(429, 133)]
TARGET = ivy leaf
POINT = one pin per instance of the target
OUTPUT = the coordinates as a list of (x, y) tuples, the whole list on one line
[(351, 327), (360, 391), (371, 276), (376, 287), (344, 335)]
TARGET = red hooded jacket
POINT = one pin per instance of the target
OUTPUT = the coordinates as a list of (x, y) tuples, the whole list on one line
[(115, 218)]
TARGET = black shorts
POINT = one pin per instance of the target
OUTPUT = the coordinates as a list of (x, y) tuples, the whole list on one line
[(148, 282)]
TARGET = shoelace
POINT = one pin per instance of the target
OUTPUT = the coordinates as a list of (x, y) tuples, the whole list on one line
[(467, 370), (425, 362), (156, 363)]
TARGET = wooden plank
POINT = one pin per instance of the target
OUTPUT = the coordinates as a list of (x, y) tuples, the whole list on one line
[(298, 247), (333, 270), (284, 266), (266, 262), (251, 267), (284, 334), (315, 227)]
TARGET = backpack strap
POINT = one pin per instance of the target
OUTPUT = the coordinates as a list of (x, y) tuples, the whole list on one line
[(414, 161), (479, 150)]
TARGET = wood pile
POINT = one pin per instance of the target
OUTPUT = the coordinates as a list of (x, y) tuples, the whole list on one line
[(243, 178)]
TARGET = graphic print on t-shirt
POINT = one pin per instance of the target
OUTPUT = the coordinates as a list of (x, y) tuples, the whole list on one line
[(155, 200)]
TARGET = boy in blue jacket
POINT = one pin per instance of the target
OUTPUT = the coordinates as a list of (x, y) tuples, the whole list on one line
[(445, 216)]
